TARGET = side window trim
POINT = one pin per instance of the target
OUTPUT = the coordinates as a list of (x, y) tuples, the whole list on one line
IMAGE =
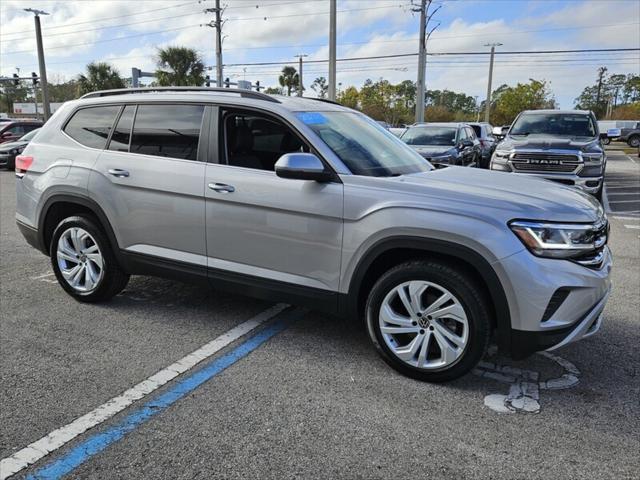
[(115, 124)]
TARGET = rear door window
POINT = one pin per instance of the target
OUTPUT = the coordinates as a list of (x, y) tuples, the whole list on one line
[(91, 126), (167, 130)]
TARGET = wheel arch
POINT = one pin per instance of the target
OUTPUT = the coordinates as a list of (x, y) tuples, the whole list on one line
[(390, 251), (59, 206)]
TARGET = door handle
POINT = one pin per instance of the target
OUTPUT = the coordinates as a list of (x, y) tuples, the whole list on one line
[(221, 188), (118, 172)]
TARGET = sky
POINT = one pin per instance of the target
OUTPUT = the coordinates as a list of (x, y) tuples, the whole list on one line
[(128, 33)]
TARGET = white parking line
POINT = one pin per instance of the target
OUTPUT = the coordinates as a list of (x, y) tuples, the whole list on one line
[(634, 227), (56, 439)]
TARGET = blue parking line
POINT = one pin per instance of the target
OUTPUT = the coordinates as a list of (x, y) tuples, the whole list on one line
[(100, 441)]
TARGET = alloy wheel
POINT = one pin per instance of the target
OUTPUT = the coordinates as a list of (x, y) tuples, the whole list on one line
[(424, 325), (79, 259)]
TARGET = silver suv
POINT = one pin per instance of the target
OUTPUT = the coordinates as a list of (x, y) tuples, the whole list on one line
[(308, 202)]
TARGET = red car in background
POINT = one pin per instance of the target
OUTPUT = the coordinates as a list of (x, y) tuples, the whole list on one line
[(13, 130)]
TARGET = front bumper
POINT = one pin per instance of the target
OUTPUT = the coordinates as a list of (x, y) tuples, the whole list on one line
[(538, 322), (589, 184)]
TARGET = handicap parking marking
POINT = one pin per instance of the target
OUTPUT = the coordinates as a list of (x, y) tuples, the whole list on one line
[(98, 442), (524, 385)]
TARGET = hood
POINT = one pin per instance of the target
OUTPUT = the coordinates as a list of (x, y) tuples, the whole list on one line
[(543, 142), (498, 194), (5, 147), (431, 149)]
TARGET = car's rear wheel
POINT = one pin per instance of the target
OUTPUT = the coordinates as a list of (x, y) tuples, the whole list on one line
[(634, 141), (428, 320), (84, 262)]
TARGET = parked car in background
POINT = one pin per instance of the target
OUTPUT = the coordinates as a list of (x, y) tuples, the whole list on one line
[(488, 142), (631, 135), (397, 131), (299, 200), (563, 146), (444, 144), (9, 150), (13, 130), (501, 132)]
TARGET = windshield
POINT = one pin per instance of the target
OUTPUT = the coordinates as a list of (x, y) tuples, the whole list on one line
[(430, 136), (559, 124), (29, 135), (363, 146)]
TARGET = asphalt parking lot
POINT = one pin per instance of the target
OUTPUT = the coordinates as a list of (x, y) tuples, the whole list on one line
[(301, 395)]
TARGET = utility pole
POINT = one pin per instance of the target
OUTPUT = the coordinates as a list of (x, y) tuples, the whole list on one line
[(217, 24), (43, 69), (422, 55), (300, 56), (487, 107), (332, 51)]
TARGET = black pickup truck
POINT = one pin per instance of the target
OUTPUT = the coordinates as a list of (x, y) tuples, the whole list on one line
[(559, 145)]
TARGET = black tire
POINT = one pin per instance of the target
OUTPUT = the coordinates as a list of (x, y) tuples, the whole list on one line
[(113, 280), (634, 141), (598, 194), (606, 141), (459, 284)]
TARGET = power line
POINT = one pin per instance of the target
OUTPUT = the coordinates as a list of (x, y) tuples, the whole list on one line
[(144, 12), (402, 55)]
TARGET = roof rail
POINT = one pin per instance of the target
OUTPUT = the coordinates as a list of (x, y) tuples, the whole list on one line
[(238, 91), (325, 100)]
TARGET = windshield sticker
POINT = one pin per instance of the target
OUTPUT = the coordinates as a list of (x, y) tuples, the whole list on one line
[(312, 118)]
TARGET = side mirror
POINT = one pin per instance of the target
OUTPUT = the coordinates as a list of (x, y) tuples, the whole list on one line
[(302, 166), (5, 135), (465, 143)]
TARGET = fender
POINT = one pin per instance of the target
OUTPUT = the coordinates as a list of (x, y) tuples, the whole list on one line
[(432, 246), (78, 200)]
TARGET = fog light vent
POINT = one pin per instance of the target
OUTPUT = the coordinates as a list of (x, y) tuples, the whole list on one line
[(559, 296)]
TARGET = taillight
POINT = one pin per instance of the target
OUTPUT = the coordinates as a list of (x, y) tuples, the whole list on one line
[(23, 163)]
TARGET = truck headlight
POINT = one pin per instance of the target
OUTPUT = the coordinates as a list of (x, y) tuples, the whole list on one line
[(593, 158), (566, 240), (499, 161)]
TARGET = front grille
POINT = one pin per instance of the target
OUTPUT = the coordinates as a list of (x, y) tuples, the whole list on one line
[(545, 162), (529, 167)]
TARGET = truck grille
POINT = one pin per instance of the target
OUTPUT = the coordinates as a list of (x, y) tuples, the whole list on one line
[(545, 162)]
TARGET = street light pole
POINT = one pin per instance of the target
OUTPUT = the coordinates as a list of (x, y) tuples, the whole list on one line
[(300, 87), (43, 69), (332, 50), (487, 106)]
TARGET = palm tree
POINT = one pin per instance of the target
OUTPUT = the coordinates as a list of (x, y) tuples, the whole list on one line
[(288, 79), (179, 66), (99, 76)]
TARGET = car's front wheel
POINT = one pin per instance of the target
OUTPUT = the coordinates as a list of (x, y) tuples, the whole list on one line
[(84, 262), (428, 320), (634, 141)]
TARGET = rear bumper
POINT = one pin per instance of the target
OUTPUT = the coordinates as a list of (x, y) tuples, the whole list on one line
[(30, 234)]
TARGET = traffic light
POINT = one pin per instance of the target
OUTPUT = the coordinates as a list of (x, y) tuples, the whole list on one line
[(16, 79), (257, 85), (35, 79), (227, 82), (207, 81)]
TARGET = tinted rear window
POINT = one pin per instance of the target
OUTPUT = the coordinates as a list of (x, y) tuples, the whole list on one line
[(477, 129), (91, 126), (167, 130)]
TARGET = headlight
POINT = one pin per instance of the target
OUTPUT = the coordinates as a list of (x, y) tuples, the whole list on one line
[(555, 240), (499, 161), (593, 158)]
